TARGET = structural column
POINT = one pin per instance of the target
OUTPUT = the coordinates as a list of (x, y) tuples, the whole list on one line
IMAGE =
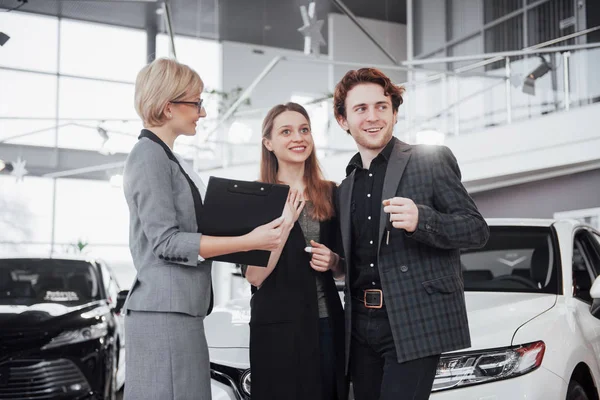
[(151, 31)]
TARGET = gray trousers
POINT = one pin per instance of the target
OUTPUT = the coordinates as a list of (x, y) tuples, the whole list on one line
[(166, 357)]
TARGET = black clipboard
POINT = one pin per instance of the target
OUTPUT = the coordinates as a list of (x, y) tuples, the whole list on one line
[(234, 208)]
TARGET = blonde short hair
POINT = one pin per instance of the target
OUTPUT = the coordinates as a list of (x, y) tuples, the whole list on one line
[(162, 81)]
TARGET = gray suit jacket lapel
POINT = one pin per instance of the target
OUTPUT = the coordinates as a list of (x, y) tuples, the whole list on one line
[(345, 196), (393, 175)]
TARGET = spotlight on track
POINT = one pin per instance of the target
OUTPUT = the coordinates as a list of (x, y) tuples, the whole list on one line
[(538, 72)]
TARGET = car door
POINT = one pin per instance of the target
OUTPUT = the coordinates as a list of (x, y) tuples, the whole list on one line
[(111, 288), (586, 267)]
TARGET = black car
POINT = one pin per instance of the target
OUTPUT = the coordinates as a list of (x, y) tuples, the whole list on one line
[(59, 332)]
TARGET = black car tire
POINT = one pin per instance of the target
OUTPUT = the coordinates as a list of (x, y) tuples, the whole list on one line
[(112, 391), (576, 392)]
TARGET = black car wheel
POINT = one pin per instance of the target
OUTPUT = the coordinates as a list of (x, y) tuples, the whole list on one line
[(576, 391), (112, 390)]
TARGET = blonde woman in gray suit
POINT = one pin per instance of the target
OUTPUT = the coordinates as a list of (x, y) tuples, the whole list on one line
[(167, 355)]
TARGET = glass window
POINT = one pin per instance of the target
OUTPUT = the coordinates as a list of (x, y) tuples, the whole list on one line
[(203, 55), (29, 132), (544, 22), (515, 259), (32, 281), (84, 98), (583, 273), (27, 94), (25, 213), (29, 47), (101, 51), (118, 257), (506, 36), (91, 211), (494, 9), (106, 137)]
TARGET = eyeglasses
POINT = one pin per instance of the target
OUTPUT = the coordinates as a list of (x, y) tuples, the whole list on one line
[(191, 103)]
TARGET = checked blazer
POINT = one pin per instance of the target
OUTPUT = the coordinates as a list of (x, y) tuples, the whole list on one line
[(420, 272)]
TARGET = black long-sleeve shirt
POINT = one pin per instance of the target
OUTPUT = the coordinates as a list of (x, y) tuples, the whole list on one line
[(366, 209)]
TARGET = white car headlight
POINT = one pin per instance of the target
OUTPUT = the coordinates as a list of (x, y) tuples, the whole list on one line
[(488, 365), (91, 332)]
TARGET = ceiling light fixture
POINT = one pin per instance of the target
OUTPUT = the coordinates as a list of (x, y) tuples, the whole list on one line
[(6, 166)]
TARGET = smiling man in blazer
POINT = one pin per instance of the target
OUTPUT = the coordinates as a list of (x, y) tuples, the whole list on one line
[(404, 215)]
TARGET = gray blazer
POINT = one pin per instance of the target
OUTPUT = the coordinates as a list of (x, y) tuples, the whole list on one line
[(420, 272), (163, 234)]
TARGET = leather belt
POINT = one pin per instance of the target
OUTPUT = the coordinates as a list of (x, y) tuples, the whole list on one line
[(371, 298)]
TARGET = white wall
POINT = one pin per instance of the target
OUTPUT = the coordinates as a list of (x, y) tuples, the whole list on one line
[(557, 139), (348, 43), (241, 65)]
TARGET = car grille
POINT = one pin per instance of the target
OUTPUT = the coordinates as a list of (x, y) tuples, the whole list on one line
[(40, 380), (16, 340)]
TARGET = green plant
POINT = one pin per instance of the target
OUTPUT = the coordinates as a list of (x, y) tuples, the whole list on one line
[(226, 99), (78, 247)]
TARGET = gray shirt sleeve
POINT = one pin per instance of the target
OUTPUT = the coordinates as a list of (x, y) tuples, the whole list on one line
[(148, 190)]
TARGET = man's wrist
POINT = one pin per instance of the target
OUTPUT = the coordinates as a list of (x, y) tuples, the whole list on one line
[(334, 266)]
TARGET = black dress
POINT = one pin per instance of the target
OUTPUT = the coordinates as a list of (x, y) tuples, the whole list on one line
[(284, 324)]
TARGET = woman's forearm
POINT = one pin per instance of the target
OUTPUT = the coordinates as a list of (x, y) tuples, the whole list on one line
[(212, 246)]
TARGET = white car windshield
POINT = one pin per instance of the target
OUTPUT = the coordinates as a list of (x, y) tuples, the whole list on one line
[(515, 259), (31, 281)]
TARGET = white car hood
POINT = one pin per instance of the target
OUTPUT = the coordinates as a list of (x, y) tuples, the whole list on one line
[(227, 325), (495, 317)]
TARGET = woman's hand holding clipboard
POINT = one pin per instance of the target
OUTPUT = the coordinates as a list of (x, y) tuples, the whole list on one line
[(236, 208)]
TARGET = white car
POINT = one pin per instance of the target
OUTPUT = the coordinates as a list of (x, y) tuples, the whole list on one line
[(532, 300)]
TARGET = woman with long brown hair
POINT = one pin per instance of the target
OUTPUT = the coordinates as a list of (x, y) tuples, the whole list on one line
[(297, 321)]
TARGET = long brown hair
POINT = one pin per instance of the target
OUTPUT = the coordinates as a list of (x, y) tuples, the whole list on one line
[(318, 190)]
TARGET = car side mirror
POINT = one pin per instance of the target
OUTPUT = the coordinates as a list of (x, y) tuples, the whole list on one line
[(595, 295), (121, 297), (595, 289)]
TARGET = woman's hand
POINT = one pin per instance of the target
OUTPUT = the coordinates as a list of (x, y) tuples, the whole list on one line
[(266, 237), (322, 258), (293, 207)]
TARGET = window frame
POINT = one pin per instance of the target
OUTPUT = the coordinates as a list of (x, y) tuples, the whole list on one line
[(581, 241)]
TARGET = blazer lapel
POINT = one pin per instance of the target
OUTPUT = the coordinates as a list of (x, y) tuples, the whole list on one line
[(393, 175), (196, 197), (345, 195)]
